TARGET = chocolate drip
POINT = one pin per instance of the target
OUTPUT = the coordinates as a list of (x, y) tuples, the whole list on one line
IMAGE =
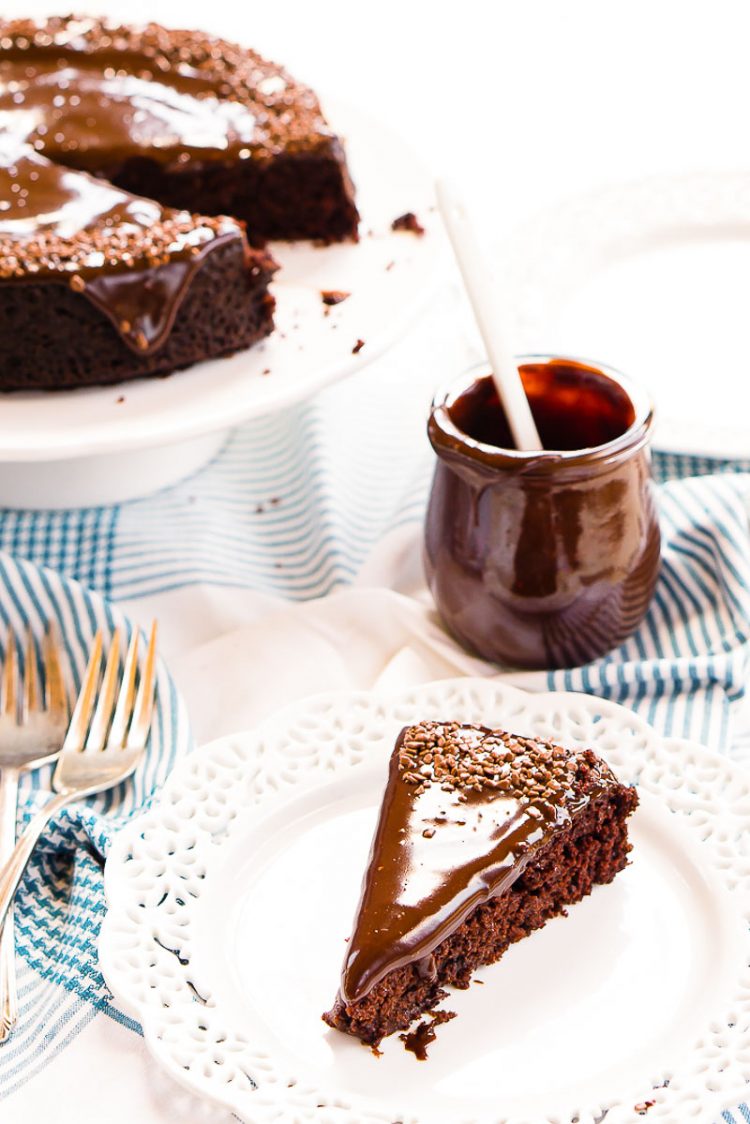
[(143, 305), (465, 810)]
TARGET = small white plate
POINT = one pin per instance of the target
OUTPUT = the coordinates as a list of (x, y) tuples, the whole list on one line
[(651, 277), (390, 276), (230, 901)]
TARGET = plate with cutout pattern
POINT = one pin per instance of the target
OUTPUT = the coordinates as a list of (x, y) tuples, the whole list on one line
[(230, 901)]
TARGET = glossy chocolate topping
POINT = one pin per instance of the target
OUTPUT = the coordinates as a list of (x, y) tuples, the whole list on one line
[(90, 94), (129, 256), (465, 809)]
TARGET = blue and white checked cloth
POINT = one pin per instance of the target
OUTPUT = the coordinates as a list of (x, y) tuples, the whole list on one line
[(295, 506)]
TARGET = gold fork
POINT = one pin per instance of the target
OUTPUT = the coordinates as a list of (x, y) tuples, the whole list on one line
[(98, 751), (32, 728)]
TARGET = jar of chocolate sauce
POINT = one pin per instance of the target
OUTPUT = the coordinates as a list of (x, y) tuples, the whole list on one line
[(543, 560)]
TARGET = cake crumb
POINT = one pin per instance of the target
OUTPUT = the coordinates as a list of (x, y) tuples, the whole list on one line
[(266, 371), (643, 1107), (120, 400), (409, 223), (390, 266), (358, 347), (333, 296)]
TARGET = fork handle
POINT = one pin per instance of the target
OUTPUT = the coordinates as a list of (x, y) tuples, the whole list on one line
[(8, 993), (12, 873)]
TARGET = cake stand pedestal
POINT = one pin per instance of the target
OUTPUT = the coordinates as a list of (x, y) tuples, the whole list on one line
[(103, 479)]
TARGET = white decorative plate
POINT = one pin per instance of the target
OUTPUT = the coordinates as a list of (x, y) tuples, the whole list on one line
[(390, 276), (650, 277), (230, 900)]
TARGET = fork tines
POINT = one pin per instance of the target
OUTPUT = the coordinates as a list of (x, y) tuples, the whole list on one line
[(19, 704), (121, 712)]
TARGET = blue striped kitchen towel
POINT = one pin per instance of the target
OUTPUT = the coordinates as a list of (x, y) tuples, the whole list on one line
[(295, 505), (61, 902), (740, 1115)]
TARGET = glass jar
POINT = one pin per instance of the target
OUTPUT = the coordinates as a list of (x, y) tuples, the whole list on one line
[(543, 559)]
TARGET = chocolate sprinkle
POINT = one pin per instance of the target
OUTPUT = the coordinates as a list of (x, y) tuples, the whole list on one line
[(471, 759), (118, 246)]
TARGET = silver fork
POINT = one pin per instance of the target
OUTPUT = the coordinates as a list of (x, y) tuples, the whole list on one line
[(32, 728), (98, 751)]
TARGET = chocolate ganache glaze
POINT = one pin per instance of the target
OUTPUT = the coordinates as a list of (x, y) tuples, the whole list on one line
[(130, 257), (466, 808), (91, 93), (543, 559)]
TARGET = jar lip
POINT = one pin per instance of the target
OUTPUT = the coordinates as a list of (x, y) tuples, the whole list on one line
[(635, 436)]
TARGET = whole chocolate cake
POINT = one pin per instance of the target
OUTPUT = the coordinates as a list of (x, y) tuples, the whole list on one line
[(99, 282), (483, 836)]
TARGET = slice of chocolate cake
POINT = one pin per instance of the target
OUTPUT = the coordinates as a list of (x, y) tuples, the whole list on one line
[(98, 285), (483, 836)]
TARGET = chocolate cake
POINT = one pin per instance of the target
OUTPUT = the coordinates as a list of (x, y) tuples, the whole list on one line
[(98, 282), (483, 836)]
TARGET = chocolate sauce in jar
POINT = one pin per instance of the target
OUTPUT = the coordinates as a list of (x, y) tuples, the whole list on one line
[(548, 559)]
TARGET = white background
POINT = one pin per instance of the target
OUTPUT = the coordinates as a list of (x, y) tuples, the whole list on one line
[(524, 102)]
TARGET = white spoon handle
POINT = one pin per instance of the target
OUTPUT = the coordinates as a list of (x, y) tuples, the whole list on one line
[(482, 291)]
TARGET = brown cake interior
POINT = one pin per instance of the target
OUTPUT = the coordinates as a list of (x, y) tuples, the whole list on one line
[(42, 326), (300, 196)]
